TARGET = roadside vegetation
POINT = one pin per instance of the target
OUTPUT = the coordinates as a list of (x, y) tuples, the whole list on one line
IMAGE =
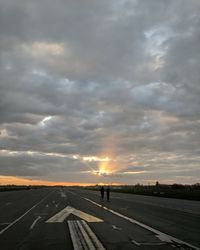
[(178, 191), (4, 188)]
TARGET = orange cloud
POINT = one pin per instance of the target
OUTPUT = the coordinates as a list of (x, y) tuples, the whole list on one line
[(13, 180)]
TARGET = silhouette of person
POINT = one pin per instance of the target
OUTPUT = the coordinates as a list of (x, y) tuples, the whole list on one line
[(102, 192), (108, 193)]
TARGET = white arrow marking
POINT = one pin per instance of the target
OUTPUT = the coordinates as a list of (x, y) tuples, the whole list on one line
[(116, 228), (34, 223), (83, 237), (148, 243), (63, 214)]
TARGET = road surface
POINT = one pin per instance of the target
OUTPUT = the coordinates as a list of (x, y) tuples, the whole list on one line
[(76, 218)]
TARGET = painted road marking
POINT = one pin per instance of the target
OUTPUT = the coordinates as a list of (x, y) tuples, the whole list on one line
[(147, 243), (34, 223), (85, 216), (74, 236), (63, 214), (83, 237), (116, 228), (160, 235), (15, 221), (63, 195)]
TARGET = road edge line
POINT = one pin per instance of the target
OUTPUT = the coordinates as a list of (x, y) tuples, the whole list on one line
[(162, 236)]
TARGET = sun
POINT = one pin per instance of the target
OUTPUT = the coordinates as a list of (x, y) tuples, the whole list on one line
[(101, 172)]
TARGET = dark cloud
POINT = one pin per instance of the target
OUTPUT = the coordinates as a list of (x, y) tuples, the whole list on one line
[(100, 78)]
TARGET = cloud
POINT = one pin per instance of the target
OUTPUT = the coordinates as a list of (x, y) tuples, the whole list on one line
[(97, 79)]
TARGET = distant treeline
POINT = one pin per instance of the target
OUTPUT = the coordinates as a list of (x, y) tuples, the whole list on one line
[(27, 187), (178, 191), (17, 187)]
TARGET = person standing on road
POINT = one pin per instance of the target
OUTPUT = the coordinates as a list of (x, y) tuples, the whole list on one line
[(102, 192), (108, 193)]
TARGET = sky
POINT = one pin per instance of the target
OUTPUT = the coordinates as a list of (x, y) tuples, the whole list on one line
[(99, 91)]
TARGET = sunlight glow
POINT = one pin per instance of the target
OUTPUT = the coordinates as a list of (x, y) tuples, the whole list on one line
[(45, 120), (101, 172), (44, 49), (95, 158), (135, 172)]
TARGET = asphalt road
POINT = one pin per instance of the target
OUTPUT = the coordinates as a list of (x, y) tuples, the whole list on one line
[(75, 218)]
